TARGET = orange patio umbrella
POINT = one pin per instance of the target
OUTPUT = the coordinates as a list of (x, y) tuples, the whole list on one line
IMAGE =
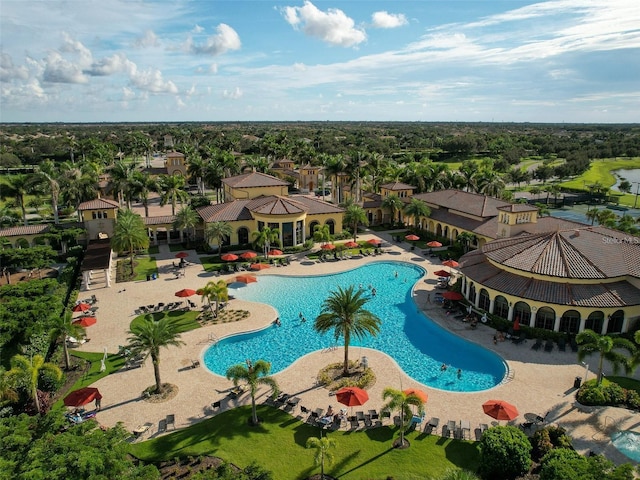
[(246, 279), (185, 292), (412, 238), (352, 396), (328, 246), (248, 255), (434, 244), (374, 241), (418, 393), (351, 244), (500, 410), (81, 307), (85, 321), (275, 251), (451, 263), (229, 257), (82, 396), (260, 266)]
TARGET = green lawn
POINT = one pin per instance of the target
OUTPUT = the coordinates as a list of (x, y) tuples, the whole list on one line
[(186, 320), (624, 382), (278, 445), (212, 263)]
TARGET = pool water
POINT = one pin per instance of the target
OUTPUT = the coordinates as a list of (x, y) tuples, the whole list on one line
[(628, 443), (419, 345)]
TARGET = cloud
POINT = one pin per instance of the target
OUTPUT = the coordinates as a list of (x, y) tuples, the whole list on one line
[(148, 40), (128, 94), (226, 39), (333, 26), (110, 65), (385, 19), (59, 70), (234, 94), (9, 71), (197, 29), (151, 81)]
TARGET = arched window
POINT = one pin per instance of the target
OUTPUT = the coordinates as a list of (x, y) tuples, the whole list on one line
[(594, 322), (22, 243), (615, 322), (545, 318), (472, 293), (243, 235), (332, 226), (501, 307), (484, 302), (312, 227), (522, 311), (570, 321)]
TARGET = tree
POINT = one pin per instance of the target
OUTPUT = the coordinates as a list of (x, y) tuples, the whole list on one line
[(355, 215), (393, 203), (171, 190), (123, 181), (217, 231), (606, 217), (254, 375), (26, 373), (217, 291), (266, 238), (416, 209), (20, 186), (505, 452), (8, 393), (605, 346), (48, 176), (129, 234), (321, 446), (62, 328), (568, 464), (322, 233), (592, 214), (186, 219), (399, 401), (343, 313), (142, 185), (148, 337), (465, 239)]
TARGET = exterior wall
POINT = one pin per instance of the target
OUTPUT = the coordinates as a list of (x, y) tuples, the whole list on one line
[(104, 222), (231, 194), (405, 193)]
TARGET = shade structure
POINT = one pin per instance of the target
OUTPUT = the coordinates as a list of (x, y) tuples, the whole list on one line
[(248, 255), (81, 307), (451, 263), (374, 241), (434, 244), (352, 396), (452, 295), (246, 279), (351, 244), (82, 396), (260, 266), (500, 410), (412, 238), (418, 393), (229, 257), (328, 246), (182, 255), (185, 292), (441, 273), (85, 321), (275, 251)]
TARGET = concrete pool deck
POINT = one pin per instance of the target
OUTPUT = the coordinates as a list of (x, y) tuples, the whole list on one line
[(538, 382)]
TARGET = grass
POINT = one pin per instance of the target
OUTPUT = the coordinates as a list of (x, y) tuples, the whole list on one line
[(278, 445), (176, 247), (185, 320), (211, 264), (143, 266), (624, 382)]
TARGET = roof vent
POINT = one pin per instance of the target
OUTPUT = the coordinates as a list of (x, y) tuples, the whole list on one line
[(577, 232)]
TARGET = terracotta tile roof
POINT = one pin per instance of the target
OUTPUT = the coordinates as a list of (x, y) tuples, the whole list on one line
[(226, 212), (464, 223), (275, 205), (315, 205), (471, 203), (98, 204), (397, 186), (162, 220), (518, 207), (97, 256), (24, 230), (254, 180)]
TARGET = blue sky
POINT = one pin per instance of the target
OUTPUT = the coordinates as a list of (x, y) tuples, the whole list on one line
[(391, 60)]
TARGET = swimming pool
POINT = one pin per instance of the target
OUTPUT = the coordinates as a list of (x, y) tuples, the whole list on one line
[(419, 345), (627, 442)]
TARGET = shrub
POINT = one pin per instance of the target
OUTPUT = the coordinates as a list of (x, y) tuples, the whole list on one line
[(614, 394), (505, 452), (591, 394), (569, 465), (541, 444), (633, 399)]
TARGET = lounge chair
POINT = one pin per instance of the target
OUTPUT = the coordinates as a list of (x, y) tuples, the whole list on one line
[(171, 420), (521, 339), (573, 344), (537, 345), (562, 344), (548, 346), (162, 425)]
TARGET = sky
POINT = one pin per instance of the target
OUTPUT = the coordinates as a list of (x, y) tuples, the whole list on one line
[(336, 60)]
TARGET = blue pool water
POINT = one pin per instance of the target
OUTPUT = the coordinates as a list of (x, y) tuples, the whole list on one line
[(627, 442), (419, 345)]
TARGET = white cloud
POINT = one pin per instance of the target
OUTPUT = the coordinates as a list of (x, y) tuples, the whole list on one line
[(226, 39), (9, 71), (114, 64), (197, 29), (128, 94), (59, 70), (149, 39), (333, 26), (385, 19), (151, 81), (234, 94)]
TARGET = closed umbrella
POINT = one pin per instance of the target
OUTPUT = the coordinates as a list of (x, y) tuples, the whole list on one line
[(85, 321), (229, 257), (81, 307), (500, 410), (81, 397), (434, 244), (185, 292)]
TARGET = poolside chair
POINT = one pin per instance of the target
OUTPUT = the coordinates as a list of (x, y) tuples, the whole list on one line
[(537, 345), (548, 346), (573, 344), (162, 425), (216, 405), (171, 420), (562, 344)]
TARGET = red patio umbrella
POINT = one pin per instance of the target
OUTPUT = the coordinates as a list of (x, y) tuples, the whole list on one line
[(451, 263), (85, 321), (352, 396), (229, 257), (260, 266), (248, 255), (374, 241), (185, 292), (452, 295), (182, 255), (434, 244), (516, 324), (418, 393), (500, 410), (81, 307), (351, 244), (412, 238), (275, 251), (328, 246), (246, 279), (441, 273), (82, 396)]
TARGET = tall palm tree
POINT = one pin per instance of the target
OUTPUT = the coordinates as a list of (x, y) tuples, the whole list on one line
[(416, 209), (606, 217), (186, 219), (217, 291), (465, 239), (171, 190), (123, 181), (142, 185), (20, 186), (355, 215), (605, 346), (254, 375), (266, 238), (195, 168), (62, 328), (27, 371), (321, 446), (343, 312), (393, 203), (322, 233), (48, 175), (397, 400), (592, 214), (148, 337), (129, 234), (218, 231)]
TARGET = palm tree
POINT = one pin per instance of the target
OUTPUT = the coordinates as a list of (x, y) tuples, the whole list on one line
[(148, 337), (416, 209), (62, 328), (47, 175), (400, 401), (218, 231), (254, 375), (322, 233), (606, 217), (218, 291), (129, 234), (171, 190), (123, 181), (355, 215), (195, 168), (592, 214), (186, 219), (465, 239), (143, 184), (591, 342), (393, 203), (20, 185), (343, 313), (322, 446), (265, 238), (27, 371), (8, 392)]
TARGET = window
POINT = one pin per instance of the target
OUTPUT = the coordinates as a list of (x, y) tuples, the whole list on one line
[(501, 307), (484, 301), (545, 318), (594, 322), (570, 321)]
